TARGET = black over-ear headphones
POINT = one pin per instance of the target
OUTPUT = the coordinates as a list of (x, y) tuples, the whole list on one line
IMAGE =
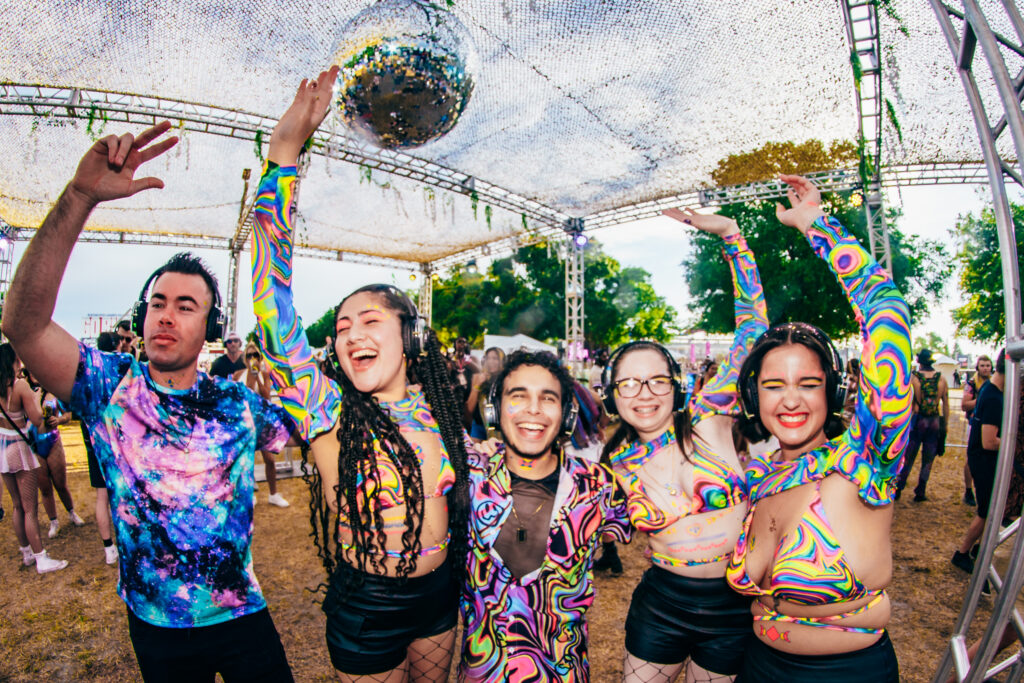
[(835, 377), (215, 321), (414, 328), (674, 371), (492, 410)]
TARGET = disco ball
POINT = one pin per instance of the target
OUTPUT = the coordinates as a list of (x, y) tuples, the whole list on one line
[(407, 72)]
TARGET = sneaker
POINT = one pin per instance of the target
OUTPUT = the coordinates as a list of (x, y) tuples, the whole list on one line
[(45, 564), (110, 552), (920, 498), (27, 558), (278, 500), (963, 561), (969, 498), (75, 519), (54, 528)]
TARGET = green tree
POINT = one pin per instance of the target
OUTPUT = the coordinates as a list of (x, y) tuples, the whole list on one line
[(798, 286), (525, 293), (933, 342), (322, 328), (983, 315)]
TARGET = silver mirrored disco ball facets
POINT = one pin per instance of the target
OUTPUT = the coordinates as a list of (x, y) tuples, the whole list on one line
[(407, 72)]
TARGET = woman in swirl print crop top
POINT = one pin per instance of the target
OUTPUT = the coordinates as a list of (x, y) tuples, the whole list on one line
[(685, 484), (818, 558)]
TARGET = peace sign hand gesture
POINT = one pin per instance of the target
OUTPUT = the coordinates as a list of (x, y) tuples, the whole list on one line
[(305, 114), (107, 171)]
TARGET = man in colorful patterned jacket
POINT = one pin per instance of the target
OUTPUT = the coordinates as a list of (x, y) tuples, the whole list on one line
[(538, 517)]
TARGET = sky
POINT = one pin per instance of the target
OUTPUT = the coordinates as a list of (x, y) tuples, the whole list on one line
[(106, 278)]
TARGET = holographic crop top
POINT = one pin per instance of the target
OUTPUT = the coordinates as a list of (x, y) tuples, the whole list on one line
[(809, 567), (716, 485), (310, 397), (411, 414)]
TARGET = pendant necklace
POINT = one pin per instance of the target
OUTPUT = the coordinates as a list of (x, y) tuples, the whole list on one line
[(520, 529)]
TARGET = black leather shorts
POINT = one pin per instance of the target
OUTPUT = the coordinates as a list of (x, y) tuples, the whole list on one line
[(370, 631), (672, 618), (876, 663)]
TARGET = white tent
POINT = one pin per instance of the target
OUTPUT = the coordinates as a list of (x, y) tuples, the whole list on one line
[(518, 341)]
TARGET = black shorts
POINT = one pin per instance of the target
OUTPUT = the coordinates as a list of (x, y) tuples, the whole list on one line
[(95, 476), (242, 649), (876, 663), (370, 631), (673, 617), (983, 470)]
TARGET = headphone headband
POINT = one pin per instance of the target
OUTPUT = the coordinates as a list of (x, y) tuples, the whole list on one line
[(215, 320)]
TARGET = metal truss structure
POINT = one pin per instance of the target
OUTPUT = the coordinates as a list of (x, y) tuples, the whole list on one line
[(966, 31), (861, 17), (575, 342), (425, 305)]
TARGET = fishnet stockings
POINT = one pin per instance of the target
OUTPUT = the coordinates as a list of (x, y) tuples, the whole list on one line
[(636, 670), (431, 658), (428, 662)]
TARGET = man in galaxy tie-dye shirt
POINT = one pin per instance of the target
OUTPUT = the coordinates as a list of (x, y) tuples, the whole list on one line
[(175, 446), (537, 518)]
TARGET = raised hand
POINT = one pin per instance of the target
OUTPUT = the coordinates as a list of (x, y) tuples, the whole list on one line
[(305, 114), (804, 200), (107, 171), (712, 223)]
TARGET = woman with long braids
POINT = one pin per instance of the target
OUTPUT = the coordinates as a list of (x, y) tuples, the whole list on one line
[(18, 465), (686, 490), (815, 550), (390, 499)]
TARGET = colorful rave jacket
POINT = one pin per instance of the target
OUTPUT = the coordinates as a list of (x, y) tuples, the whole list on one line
[(716, 484), (534, 628), (178, 464)]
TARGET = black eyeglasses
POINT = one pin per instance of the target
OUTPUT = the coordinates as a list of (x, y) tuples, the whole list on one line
[(252, 355), (233, 341), (630, 387)]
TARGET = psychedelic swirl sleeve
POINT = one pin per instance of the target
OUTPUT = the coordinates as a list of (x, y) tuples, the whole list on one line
[(312, 400), (719, 395), (870, 452)]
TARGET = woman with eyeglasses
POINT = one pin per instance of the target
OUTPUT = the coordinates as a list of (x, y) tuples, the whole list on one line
[(686, 489), (815, 551), (256, 378), (390, 507)]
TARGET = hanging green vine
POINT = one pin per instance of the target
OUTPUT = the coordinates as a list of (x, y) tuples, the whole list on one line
[(890, 11), (365, 174), (487, 215), (858, 69), (96, 114), (258, 143), (474, 199), (890, 111), (525, 225)]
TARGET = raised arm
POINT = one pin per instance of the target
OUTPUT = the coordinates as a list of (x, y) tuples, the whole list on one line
[(719, 396), (106, 172), (312, 400), (878, 432)]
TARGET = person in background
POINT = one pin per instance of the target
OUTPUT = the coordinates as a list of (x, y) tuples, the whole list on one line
[(931, 415), (982, 453), (107, 343), (596, 372), (231, 361), (982, 372), (53, 472), (18, 464), (257, 378)]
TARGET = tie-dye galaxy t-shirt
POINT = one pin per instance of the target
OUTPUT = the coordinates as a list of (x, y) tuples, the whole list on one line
[(178, 464)]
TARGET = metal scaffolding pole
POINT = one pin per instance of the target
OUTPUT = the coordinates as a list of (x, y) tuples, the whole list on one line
[(861, 17), (235, 253), (426, 304), (975, 31), (575, 342)]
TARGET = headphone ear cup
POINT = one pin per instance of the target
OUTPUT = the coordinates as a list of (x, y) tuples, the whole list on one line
[(215, 324), (139, 316), (491, 417), (608, 399), (838, 396), (678, 395), (569, 417)]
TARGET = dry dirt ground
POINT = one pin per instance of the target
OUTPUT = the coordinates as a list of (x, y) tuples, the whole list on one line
[(71, 626)]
